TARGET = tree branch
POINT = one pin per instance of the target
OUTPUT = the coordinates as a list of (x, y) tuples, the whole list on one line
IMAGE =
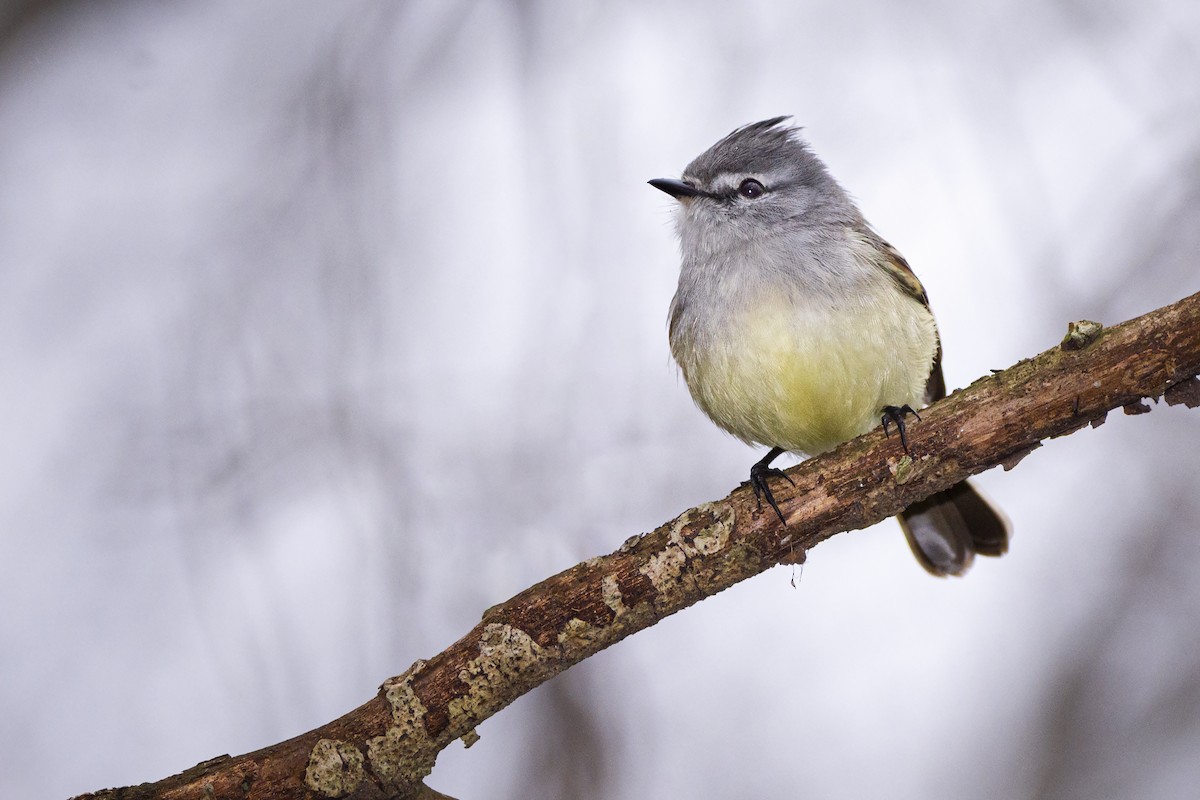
[(386, 747)]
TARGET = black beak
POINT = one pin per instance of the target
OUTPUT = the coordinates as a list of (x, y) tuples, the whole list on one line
[(677, 189)]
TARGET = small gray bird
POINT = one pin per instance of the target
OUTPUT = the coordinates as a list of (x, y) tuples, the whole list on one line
[(797, 327)]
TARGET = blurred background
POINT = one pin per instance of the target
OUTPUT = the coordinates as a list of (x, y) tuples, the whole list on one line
[(325, 326)]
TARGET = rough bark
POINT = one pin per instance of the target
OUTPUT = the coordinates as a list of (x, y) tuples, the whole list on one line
[(387, 746)]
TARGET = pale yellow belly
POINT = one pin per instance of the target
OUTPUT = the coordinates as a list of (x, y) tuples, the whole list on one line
[(809, 379)]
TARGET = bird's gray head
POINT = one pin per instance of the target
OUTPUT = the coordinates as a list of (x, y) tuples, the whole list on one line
[(759, 180)]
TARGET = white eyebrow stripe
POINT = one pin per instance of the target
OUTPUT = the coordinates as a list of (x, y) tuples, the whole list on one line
[(727, 181)]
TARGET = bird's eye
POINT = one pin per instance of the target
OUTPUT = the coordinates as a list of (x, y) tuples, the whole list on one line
[(751, 188)]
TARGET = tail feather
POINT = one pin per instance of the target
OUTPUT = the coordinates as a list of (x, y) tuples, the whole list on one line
[(945, 531)]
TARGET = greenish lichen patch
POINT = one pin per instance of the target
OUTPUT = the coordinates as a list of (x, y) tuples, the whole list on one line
[(611, 592), (405, 753), (1080, 334), (335, 768), (713, 537), (578, 635), (701, 531), (902, 470), (664, 567), (508, 657), (632, 542)]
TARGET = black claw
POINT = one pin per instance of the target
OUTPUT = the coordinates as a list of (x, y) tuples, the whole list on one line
[(895, 414), (758, 480)]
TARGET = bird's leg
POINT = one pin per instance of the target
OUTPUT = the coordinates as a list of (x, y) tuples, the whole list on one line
[(896, 414), (759, 473)]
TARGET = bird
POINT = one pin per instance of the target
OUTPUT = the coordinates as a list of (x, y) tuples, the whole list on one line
[(797, 327)]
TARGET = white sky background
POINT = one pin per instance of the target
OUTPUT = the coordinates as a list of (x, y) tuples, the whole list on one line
[(324, 327)]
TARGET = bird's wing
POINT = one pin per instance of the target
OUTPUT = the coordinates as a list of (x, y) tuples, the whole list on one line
[(898, 269)]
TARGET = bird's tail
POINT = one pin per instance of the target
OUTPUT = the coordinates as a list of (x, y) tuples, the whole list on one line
[(946, 530)]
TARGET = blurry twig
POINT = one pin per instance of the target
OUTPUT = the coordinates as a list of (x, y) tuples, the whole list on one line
[(386, 747)]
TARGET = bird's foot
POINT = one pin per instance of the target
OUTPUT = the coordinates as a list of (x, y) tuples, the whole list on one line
[(896, 414), (759, 474)]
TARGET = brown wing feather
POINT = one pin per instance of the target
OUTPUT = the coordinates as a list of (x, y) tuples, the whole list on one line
[(906, 279), (949, 528)]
